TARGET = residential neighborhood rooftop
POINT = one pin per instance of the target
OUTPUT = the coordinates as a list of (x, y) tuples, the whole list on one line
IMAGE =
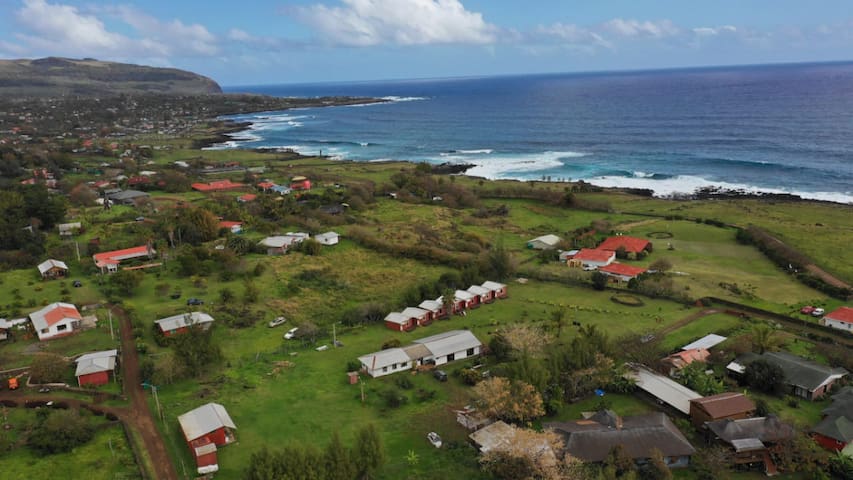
[(96, 362), (707, 342), (203, 420)]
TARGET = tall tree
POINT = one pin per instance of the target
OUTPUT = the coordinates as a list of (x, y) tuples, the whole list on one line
[(763, 338), (368, 453), (337, 461), (513, 401)]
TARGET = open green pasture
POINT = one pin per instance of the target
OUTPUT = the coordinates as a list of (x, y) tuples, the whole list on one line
[(274, 404), (816, 229), (719, 323)]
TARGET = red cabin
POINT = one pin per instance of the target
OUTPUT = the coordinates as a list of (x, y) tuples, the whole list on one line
[(206, 428)]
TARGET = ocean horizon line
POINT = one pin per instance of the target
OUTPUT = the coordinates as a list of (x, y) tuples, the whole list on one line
[(579, 73)]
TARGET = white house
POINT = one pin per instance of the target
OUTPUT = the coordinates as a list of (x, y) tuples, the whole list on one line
[(437, 349), (53, 268), (328, 238), (841, 318), (56, 320), (453, 345), (385, 362), (277, 245)]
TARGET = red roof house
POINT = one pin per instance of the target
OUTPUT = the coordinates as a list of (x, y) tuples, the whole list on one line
[(588, 257), (621, 272), (841, 318), (630, 244), (234, 227), (264, 186), (205, 428), (55, 320), (217, 186), (681, 359), (111, 260), (300, 183), (249, 197)]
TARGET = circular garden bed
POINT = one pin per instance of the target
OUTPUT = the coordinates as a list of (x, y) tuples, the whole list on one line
[(627, 299), (659, 235)]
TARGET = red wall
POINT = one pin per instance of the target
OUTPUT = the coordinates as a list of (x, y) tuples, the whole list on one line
[(99, 378), (205, 460), (829, 443), (217, 436), (168, 333)]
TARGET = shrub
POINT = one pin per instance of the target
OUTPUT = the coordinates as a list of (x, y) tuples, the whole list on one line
[(393, 398), (353, 366), (423, 394), (404, 382), (59, 431), (469, 376), (391, 343)]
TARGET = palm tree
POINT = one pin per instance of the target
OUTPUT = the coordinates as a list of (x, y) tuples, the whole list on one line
[(763, 338), (558, 319)]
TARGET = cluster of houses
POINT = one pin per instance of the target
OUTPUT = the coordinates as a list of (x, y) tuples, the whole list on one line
[(280, 244), (430, 351), (601, 258), (429, 310), (297, 183)]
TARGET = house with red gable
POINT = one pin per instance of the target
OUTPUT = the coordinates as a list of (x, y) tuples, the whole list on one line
[(677, 361), (217, 186), (206, 428), (56, 320), (264, 186), (841, 318), (630, 244), (835, 431), (249, 197), (592, 259), (109, 261), (619, 272), (181, 323), (401, 323), (95, 368)]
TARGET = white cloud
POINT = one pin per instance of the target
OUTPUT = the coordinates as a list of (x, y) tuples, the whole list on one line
[(239, 35), (572, 35), (63, 28), (174, 35), (401, 22), (635, 28), (713, 31)]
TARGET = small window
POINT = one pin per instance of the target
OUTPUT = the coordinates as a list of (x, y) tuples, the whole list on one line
[(384, 369), (470, 352), (394, 366), (62, 327), (451, 357), (45, 330)]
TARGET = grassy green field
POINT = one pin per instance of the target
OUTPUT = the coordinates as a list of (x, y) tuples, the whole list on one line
[(106, 457)]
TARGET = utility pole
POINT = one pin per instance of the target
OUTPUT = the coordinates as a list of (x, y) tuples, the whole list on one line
[(77, 246), (112, 335), (334, 335), (157, 401)]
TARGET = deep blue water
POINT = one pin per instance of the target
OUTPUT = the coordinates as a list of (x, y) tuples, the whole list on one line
[(769, 128)]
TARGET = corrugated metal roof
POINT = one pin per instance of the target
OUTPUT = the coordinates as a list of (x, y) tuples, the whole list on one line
[(414, 312), (496, 435), (183, 320), (450, 342), (747, 445), (64, 310), (203, 420), (663, 388), (46, 265), (478, 290), (463, 295), (706, 342), (384, 358), (96, 362), (397, 317), (431, 305), (493, 286)]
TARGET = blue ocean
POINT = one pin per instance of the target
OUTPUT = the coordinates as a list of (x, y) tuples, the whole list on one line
[(779, 128)]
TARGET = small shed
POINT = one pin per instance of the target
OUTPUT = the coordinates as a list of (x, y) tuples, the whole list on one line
[(95, 368), (51, 268), (328, 238)]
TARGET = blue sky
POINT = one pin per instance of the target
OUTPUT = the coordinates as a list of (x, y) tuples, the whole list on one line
[(267, 42)]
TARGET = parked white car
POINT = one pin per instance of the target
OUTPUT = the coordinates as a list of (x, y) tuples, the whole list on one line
[(291, 333), (818, 312), (278, 321)]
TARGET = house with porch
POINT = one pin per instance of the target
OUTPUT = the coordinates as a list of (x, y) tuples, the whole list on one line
[(590, 259), (592, 438), (50, 269), (109, 261), (751, 439), (434, 350), (177, 324), (805, 378), (95, 368), (205, 429), (56, 320)]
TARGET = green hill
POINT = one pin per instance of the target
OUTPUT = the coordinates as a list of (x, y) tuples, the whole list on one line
[(54, 77)]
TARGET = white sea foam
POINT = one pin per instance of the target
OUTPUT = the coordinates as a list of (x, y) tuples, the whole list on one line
[(686, 184), (510, 166), (472, 152), (396, 99)]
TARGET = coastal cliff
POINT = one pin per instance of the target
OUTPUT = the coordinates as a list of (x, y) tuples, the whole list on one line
[(56, 77)]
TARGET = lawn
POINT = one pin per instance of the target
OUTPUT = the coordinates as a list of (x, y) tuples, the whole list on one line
[(87, 461), (309, 399), (719, 323)]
